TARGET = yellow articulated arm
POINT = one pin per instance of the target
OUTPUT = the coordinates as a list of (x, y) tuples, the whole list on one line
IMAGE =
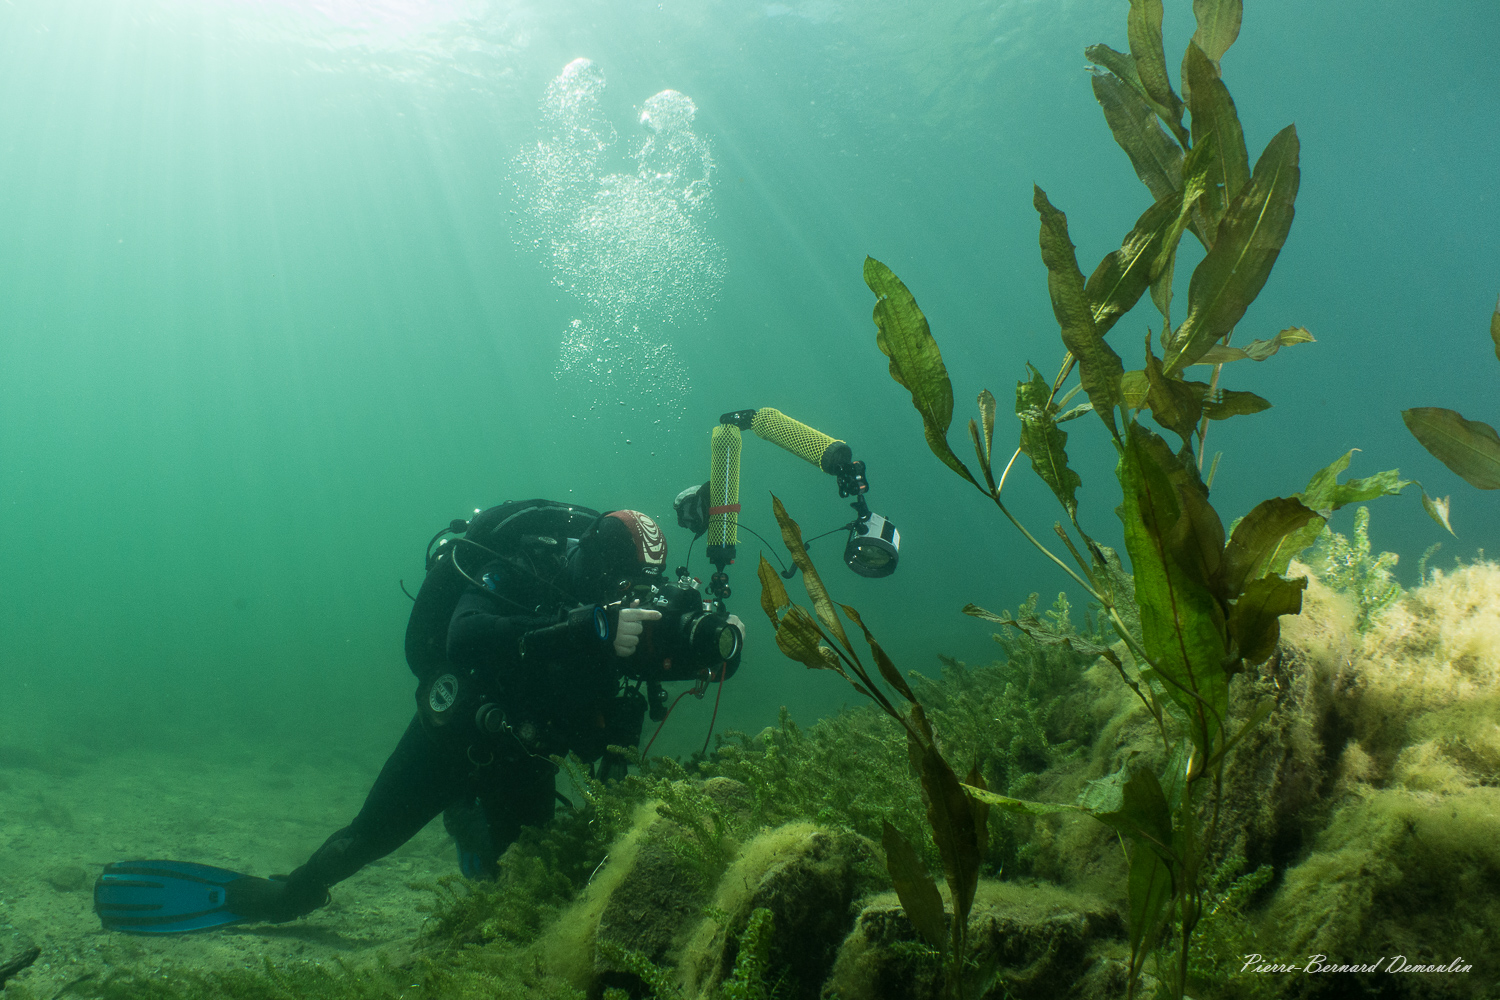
[(829, 454), (873, 545)]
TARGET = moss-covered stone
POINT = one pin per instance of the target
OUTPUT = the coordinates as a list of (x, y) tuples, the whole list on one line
[(810, 879), (1403, 852), (1035, 941)]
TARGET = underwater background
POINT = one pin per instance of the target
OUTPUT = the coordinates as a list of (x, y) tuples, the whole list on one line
[(284, 288)]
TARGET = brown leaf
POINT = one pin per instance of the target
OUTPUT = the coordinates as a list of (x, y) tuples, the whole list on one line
[(951, 816), (772, 592), (914, 887), (799, 638), (1470, 448), (791, 534), (887, 668)]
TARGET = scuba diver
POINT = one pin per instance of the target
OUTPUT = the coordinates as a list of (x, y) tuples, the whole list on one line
[(533, 634)]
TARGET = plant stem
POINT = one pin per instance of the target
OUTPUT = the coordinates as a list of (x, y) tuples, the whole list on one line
[(996, 495), (1046, 551), (1213, 385)]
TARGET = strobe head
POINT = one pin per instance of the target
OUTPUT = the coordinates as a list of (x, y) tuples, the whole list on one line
[(874, 547)]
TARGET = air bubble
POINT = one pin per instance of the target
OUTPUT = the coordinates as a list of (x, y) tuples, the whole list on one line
[(631, 245)]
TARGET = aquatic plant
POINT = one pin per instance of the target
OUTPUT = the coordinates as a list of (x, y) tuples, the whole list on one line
[(847, 771), (1345, 566), (752, 963), (1209, 605), (706, 832), (1016, 717), (541, 873), (487, 974), (1224, 935), (1470, 448), (657, 979), (959, 823)]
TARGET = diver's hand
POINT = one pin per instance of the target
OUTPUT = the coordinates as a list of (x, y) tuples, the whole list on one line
[(628, 633)]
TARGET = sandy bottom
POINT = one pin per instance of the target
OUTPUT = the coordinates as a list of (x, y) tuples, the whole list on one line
[(256, 809)]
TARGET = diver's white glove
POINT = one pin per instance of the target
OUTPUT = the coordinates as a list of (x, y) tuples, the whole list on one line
[(628, 632)]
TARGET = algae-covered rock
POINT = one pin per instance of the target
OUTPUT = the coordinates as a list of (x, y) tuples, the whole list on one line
[(1405, 856), (651, 919), (1039, 941), (810, 880), (1277, 778), (670, 877)]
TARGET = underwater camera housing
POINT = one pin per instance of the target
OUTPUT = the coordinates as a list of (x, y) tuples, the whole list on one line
[(691, 638)]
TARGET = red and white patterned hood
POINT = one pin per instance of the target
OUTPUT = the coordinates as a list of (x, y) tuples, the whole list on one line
[(650, 543)]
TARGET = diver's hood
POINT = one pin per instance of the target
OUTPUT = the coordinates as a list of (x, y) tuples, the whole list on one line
[(620, 545)]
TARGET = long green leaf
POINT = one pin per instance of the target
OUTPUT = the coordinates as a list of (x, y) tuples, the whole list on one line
[(1255, 621), (1149, 890), (1256, 539), (916, 363), (1099, 367), (1181, 620), (1025, 807), (1122, 65), (915, 888), (1468, 447), (1325, 494), (1495, 329), (1213, 113), (1250, 237), (1143, 27), (1044, 442), (1174, 405), (1234, 403), (1196, 541), (1131, 801), (1218, 26), (1195, 184), (1157, 159), (1125, 274)]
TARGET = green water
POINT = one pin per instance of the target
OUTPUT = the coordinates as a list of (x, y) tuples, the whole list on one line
[(277, 301)]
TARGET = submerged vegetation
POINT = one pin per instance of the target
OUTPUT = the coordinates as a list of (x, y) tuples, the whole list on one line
[(1209, 603), (1470, 448), (1369, 792), (1130, 800), (1345, 565)]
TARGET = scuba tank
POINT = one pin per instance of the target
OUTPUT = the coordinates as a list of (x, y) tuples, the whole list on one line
[(446, 693)]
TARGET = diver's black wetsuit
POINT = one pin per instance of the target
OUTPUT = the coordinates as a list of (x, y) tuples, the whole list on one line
[(490, 785)]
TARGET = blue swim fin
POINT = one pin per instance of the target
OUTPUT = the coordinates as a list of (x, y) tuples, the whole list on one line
[(163, 897)]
